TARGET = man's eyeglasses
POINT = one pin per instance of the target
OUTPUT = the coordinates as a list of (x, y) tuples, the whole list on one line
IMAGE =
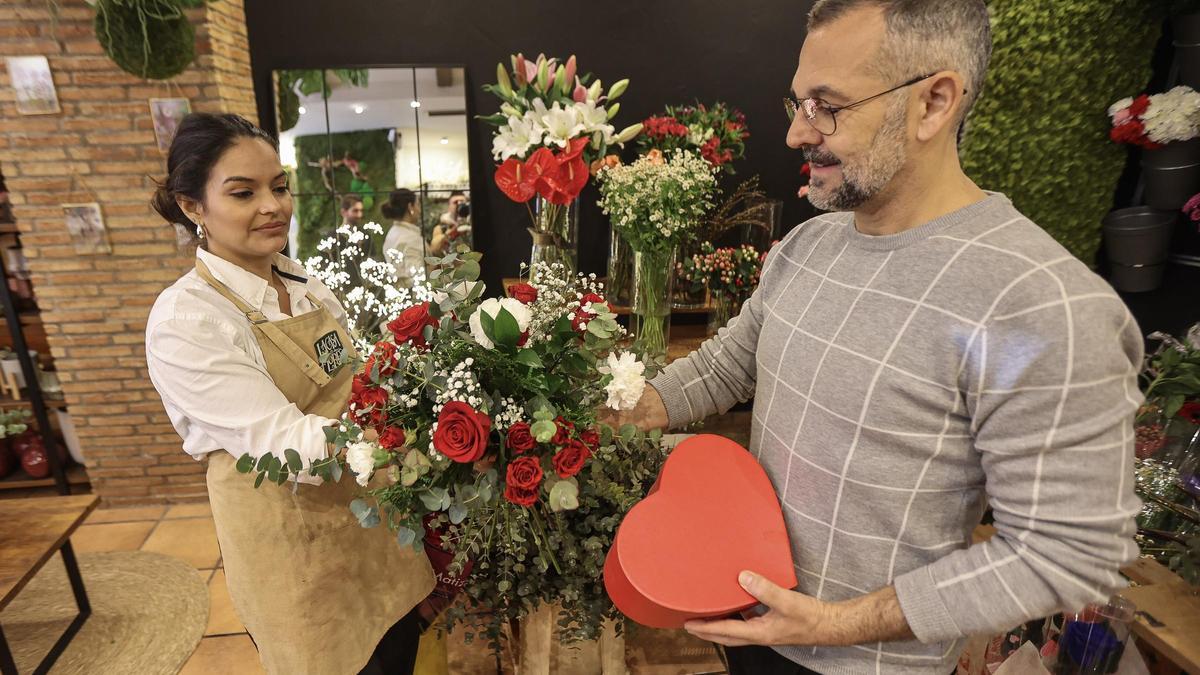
[(822, 115)]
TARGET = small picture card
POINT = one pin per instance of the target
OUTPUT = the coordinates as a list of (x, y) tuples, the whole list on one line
[(86, 225), (167, 113), (30, 77)]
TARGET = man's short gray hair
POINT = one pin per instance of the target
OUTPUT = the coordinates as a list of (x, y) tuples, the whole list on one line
[(925, 36)]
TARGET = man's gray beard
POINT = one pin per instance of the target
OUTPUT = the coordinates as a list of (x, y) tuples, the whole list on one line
[(861, 183)]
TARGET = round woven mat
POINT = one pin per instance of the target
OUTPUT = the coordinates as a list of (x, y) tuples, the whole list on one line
[(149, 612)]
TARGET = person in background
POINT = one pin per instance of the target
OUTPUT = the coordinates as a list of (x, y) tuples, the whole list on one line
[(450, 224), (250, 355), (352, 210), (918, 354), (404, 236)]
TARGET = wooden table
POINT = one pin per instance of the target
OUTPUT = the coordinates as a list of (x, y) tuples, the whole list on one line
[(1168, 613), (31, 531)]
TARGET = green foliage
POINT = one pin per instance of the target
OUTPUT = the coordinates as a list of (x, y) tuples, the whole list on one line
[(317, 210), (148, 38), (1039, 133), (14, 422)]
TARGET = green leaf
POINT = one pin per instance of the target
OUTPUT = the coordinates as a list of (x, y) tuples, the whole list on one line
[(263, 462), (431, 501), (245, 463), (367, 515), (1173, 405), (258, 480), (487, 323), (458, 513), (405, 536), (281, 478), (335, 472), (628, 432), (506, 329), (504, 585), (543, 430), (598, 329), (330, 434), (467, 271), (435, 310), (293, 460), (529, 358)]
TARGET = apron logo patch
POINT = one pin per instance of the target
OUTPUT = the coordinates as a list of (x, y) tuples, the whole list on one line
[(330, 352)]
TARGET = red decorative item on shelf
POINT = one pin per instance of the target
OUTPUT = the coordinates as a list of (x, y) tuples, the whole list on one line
[(34, 460), (711, 514)]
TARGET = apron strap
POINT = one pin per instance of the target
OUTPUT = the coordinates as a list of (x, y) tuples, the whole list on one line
[(259, 321)]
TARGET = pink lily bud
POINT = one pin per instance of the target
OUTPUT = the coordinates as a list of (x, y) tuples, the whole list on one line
[(520, 70), (580, 93), (571, 67)]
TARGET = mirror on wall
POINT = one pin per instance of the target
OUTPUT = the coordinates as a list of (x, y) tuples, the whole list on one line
[(355, 138)]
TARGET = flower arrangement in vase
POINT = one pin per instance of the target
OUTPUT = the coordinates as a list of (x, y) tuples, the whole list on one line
[(716, 131), (729, 274)]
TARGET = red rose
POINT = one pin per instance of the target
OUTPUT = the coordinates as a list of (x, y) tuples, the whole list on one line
[(1190, 412), (579, 319), (369, 397), (462, 432), (586, 302), (384, 354), (569, 460), (522, 480), (524, 292), (1139, 105), (590, 438), (368, 403), (565, 431), (410, 325), (392, 438), (519, 439)]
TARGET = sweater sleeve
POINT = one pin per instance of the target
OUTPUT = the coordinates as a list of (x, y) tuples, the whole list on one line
[(1051, 388)]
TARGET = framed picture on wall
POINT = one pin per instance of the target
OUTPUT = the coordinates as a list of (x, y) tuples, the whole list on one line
[(167, 113), (85, 223), (31, 79)]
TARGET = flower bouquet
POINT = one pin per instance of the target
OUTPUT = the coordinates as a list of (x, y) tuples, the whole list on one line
[(656, 204), (488, 448), (369, 289), (552, 129), (1152, 121), (729, 274), (717, 132)]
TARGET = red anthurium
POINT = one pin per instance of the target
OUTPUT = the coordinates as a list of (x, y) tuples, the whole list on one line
[(569, 181), (515, 180), (574, 148)]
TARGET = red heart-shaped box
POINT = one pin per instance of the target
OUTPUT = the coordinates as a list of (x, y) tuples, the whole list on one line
[(711, 514)]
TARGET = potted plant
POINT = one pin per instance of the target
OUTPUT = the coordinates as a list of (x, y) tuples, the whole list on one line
[(1166, 126)]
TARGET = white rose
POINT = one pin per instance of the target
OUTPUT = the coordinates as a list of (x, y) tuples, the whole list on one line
[(361, 458), (515, 307), (627, 381)]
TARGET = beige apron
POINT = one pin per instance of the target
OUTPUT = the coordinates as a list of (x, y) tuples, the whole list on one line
[(315, 590)]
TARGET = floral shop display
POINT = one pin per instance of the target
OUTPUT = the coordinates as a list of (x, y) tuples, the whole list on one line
[(655, 204), (1167, 127), (553, 130), (484, 445), (1168, 454), (728, 274)]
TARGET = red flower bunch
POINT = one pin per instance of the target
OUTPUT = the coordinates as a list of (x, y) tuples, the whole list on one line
[(733, 272), (558, 178), (583, 313), (1128, 126), (368, 403), (462, 432), (410, 325), (659, 127)]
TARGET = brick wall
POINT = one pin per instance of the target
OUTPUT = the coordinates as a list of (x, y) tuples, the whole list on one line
[(101, 148)]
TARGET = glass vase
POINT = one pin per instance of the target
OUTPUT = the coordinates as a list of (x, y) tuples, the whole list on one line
[(555, 234), (684, 295), (722, 308), (619, 287), (650, 319)]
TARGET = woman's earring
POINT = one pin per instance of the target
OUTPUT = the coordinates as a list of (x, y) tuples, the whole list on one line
[(199, 229)]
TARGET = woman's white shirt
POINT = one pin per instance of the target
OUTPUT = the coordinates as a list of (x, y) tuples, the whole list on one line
[(407, 239), (206, 364)]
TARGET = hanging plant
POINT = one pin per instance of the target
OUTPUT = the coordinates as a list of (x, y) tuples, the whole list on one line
[(148, 38)]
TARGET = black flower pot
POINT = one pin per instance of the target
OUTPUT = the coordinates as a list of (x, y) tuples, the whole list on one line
[(1137, 241), (1171, 174)]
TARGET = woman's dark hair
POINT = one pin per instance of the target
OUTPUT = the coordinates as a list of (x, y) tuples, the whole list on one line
[(348, 201), (199, 142), (397, 204)]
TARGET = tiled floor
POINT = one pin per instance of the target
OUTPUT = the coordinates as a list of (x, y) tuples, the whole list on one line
[(186, 532)]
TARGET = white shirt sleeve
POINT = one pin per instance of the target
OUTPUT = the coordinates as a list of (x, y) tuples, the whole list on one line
[(198, 368)]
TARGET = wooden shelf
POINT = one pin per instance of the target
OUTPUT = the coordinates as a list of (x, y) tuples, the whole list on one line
[(76, 475), (51, 403)]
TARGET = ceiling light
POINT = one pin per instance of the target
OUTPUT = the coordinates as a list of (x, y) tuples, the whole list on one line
[(445, 141), (303, 110), (358, 109), (414, 104)]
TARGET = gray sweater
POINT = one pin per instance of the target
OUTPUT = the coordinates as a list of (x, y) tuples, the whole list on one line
[(902, 382)]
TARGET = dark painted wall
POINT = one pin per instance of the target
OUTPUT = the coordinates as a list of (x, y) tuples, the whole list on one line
[(741, 52)]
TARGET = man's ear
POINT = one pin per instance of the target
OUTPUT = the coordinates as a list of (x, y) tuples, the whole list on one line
[(941, 100)]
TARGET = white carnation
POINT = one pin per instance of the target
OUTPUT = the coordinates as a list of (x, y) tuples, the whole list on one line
[(627, 384), (1173, 116), (515, 307), (361, 458)]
